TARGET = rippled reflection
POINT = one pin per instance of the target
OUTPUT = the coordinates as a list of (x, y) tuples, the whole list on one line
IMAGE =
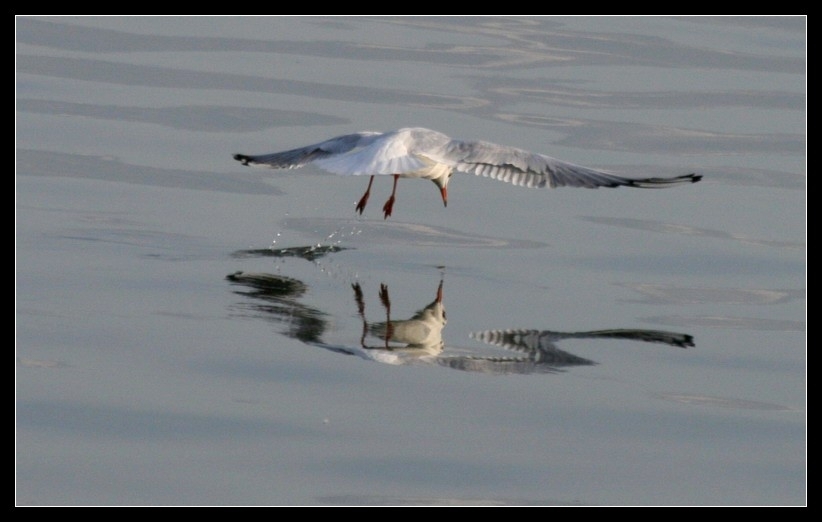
[(308, 253), (420, 335), (275, 297), (418, 339)]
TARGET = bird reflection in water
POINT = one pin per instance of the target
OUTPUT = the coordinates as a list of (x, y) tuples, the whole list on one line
[(418, 339), (540, 350)]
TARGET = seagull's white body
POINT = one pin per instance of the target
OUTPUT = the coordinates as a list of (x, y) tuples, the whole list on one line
[(423, 332), (427, 154)]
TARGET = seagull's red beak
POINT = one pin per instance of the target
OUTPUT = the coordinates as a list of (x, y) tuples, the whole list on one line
[(444, 192)]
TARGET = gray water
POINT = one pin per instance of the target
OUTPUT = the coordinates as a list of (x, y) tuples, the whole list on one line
[(192, 331)]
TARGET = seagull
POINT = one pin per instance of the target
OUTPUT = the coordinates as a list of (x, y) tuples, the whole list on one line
[(422, 333), (428, 154)]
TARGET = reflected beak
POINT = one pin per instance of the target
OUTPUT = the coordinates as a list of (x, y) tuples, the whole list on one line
[(444, 192)]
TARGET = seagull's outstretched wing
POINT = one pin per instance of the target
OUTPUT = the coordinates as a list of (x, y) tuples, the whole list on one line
[(296, 158), (528, 169), (418, 152), (360, 154)]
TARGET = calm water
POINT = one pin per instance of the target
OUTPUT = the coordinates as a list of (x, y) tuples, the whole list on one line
[(191, 331)]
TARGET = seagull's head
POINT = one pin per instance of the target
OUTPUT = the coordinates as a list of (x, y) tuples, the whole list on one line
[(442, 183)]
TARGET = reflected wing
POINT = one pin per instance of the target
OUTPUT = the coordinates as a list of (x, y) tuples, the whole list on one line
[(527, 169), (649, 336), (537, 345), (543, 341)]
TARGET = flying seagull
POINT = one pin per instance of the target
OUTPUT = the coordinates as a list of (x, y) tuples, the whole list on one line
[(427, 154)]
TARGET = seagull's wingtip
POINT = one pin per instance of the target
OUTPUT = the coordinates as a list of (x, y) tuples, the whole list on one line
[(242, 158), (693, 177)]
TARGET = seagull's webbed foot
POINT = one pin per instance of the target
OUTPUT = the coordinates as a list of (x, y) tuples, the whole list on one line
[(361, 204), (388, 207)]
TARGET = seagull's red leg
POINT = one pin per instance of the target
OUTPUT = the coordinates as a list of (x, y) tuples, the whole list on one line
[(389, 205), (361, 311), (386, 302), (364, 198)]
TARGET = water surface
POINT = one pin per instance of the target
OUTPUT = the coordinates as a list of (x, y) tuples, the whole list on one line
[(191, 331)]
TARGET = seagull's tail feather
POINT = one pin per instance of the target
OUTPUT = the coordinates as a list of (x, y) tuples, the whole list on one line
[(663, 182)]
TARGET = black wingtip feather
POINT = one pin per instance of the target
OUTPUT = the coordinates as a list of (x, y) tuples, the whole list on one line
[(663, 182), (692, 177)]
